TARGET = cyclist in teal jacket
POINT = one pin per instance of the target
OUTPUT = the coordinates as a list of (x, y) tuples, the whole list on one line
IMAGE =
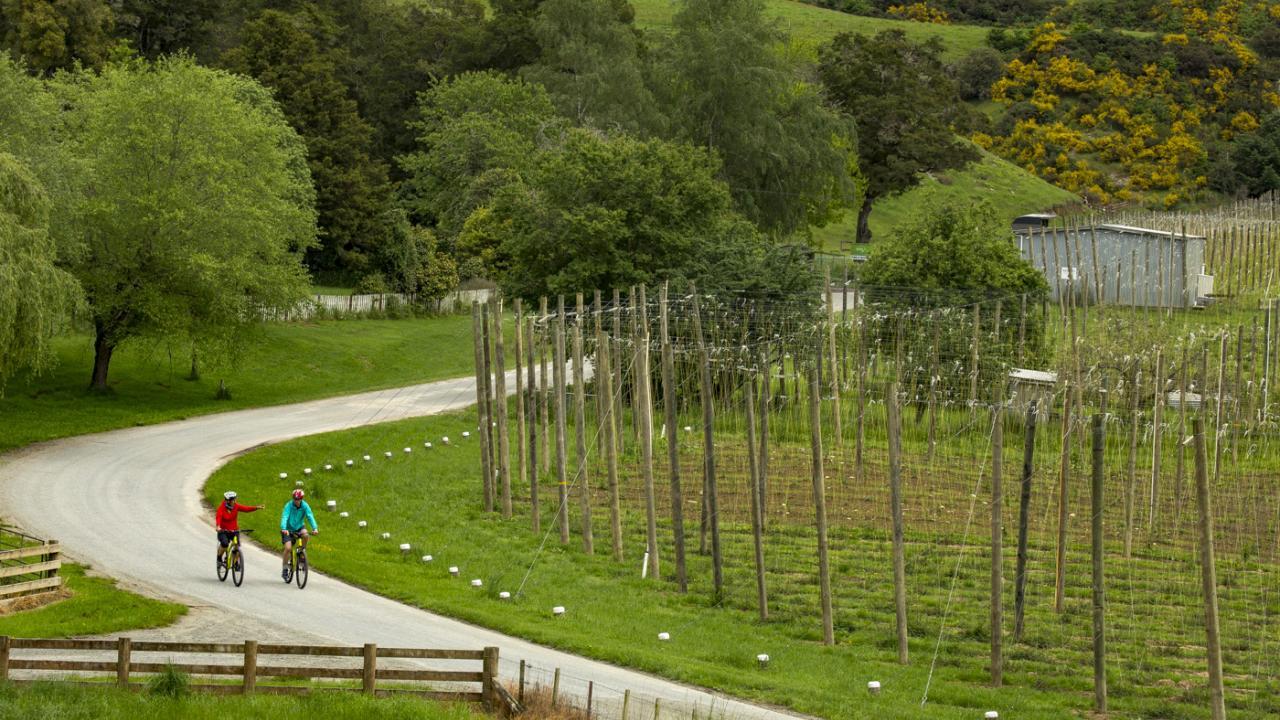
[(293, 527)]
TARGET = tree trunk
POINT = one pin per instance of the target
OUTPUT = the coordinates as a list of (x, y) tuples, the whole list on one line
[(102, 349), (864, 220)]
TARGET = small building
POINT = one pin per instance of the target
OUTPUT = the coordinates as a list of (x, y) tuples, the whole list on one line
[(1026, 386), (1032, 221), (1119, 265)]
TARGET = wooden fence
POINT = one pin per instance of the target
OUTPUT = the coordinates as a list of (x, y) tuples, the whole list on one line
[(28, 566), (482, 679)]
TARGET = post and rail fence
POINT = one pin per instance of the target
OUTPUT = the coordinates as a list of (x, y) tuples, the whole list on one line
[(84, 661), (28, 566)]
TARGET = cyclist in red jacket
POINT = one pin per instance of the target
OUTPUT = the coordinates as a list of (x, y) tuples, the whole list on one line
[(227, 524)]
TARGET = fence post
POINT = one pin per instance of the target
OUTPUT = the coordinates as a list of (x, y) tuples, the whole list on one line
[(370, 668), (122, 661), (591, 689), (520, 690), (490, 682), (250, 666), (555, 688), (626, 703), (5, 643)]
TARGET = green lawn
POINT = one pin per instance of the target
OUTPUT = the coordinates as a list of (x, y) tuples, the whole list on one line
[(1011, 190), (810, 25), (430, 499), (69, 702), (95, 607), (330, 290), (294, 362)]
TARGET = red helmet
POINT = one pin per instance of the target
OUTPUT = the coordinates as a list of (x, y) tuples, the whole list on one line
[(298, 494)]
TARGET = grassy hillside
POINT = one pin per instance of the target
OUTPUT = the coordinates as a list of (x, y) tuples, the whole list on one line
[(810, 25), (1010, 189)]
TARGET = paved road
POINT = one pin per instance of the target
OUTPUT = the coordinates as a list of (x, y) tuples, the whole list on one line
[(128, 503)]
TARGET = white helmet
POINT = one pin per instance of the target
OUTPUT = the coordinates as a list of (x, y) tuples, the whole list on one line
[(230, 494)]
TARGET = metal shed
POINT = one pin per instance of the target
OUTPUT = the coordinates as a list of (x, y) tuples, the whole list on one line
[(1121, 265)]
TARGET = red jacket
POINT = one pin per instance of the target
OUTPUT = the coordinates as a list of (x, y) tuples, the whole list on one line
[(226, 519)]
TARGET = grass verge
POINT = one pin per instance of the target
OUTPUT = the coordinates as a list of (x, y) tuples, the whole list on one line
[(292, 363), (96, 607), (70, 702)]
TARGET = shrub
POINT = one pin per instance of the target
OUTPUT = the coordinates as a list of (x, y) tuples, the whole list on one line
[(170, 683), (976, 72)]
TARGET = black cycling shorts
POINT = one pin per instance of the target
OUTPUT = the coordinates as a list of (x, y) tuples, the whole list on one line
[(224, 536), (290, 536)]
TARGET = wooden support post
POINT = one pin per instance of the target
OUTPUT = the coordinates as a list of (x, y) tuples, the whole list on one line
[(820, 501), (544, 405), (1099, 589), (591, 691), (489, 683), (834, 362), (369, 678), (500, 408), (657, 703), (1064, 478), (762, 471), (1132, 488), (605, 377), (531, 403), (488, 442), (617, 353), (1024, 510), (644, 419), (1179, 474), (123, 653), (626, 703), (997, 542), (520, 688), (1237, 390), (477, 332), (1157, 441), (973, 360), (522, 474), (1218, 429), (709, 448), (673, 438), (859, 433), (895, 502), (562, 474), (555, 688), (581, 476), (1208, 577), (753, 490), (250, 666)]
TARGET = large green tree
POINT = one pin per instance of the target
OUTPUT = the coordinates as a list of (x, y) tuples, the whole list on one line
[(159, 27), (197, 204), (351, 186), (590, 63), (54, 35), (789, 160), (1256, 159), (903, 100)]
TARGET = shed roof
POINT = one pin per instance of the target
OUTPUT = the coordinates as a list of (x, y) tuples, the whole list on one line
[(1046, 377)]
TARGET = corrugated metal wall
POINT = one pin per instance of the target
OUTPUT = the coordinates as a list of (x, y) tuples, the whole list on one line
[(1117, 265)]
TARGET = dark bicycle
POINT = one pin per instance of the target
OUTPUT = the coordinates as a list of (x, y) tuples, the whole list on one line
[(233, 560)]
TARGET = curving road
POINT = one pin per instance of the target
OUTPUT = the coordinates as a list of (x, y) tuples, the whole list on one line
[(128, 503)]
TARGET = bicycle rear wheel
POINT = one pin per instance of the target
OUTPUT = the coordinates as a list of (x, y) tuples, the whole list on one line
[(300, 574), (237, 567), (222, 568)]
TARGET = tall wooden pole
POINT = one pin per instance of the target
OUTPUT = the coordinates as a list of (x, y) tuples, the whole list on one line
[(1099, 588), (1132, 489), (708, 446), (836, 427), (1218, 431), (500, 407), (582, 475), (973, 360), (487, 443), (820, 501), (605, 375), (997, 543), (521, 440), (762, 480), (562, 474), (895, 501), (1208, 577), (477, 333), (1157, 434), (1024, 512), (757, 521), (644, 408), (531, 406), (617, 354), (673, 438), (544, 404), (1064, 477)]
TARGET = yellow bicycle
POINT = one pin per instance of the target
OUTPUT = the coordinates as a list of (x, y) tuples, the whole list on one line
[(298, 561), (232, 561)]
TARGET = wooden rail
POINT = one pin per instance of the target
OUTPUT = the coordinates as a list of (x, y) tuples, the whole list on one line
[(29, 570), (483, 677)]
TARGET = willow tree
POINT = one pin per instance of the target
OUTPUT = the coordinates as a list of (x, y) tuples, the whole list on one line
[(197, 204)]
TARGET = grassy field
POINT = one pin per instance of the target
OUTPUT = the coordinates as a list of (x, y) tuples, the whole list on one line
[(430, 499), (1011, 190), (96, 606), (809, 25), (68, 702), (294, 362)]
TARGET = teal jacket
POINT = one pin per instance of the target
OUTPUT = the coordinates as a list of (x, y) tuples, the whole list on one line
[(292, 517)]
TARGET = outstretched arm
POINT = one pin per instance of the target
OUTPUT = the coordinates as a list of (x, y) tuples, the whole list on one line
[(247, 508)]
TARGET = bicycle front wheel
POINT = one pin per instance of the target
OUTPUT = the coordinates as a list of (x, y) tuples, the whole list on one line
[(222, 568), (237, 567), (300, 575)]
